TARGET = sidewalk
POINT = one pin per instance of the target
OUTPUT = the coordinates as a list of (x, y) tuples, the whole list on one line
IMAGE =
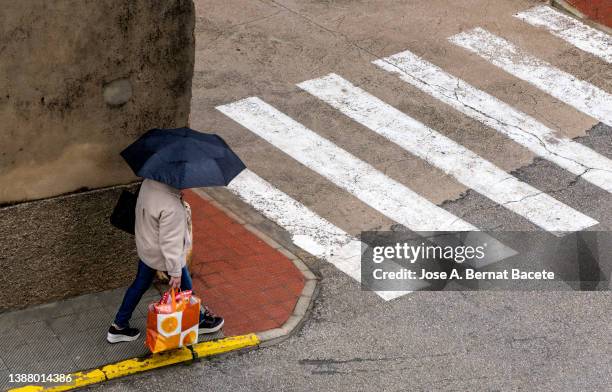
[(251, 283), (254, 284)]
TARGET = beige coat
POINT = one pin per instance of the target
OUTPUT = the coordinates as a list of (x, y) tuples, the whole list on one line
[(163, 237)]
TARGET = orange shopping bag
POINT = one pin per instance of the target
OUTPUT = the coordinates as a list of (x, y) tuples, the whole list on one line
[(173, 321)]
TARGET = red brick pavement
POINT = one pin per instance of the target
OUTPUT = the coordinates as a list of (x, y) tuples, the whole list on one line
[(239, 276), (597, 10)]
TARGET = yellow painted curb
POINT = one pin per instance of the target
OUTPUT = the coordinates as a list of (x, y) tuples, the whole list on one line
[(206, 349), (137, 365), (154, 361)]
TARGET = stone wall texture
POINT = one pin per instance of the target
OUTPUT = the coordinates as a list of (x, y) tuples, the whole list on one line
[(62, 247), (79, 81)]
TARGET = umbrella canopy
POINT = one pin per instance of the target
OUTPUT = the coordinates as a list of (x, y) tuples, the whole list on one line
[(183, 158)]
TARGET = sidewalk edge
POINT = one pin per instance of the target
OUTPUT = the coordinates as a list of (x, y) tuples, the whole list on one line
[(138, 365)]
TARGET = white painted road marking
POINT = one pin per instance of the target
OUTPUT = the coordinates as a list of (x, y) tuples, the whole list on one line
[(571, 30), (523, 129), (582, 95), (308, 230), (371, 186), (464, 165)]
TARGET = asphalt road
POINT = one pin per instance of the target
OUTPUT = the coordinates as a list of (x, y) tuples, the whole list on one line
[(425, 341)]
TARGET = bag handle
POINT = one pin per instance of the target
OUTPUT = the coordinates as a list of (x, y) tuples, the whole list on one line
[(173, 299), (171, 293)]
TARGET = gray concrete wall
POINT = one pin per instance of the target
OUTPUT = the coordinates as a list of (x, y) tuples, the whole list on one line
[(61, 247), (80, 80)]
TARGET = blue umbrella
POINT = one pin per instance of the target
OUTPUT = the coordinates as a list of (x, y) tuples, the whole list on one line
[(183, 158)]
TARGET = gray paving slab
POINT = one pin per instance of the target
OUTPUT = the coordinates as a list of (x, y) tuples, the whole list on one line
[(207, 337), (90, 349), (46, 348), (111, 297), (7, 323), (15, 319), (50, 366), (4, 380), (112, 311), (70, 335), (10, 340), (35, 330), (78, 322), (17, 358), (10, 320), (82, 303), (55, 365)]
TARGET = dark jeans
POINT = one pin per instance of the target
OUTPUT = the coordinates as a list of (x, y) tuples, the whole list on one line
[(142, 282)]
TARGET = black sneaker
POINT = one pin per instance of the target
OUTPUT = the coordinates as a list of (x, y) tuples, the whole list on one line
[(210, 323), (127, 334)]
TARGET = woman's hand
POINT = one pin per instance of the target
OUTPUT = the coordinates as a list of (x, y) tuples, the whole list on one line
[(175, 282)]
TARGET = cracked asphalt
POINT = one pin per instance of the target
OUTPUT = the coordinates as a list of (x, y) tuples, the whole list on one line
[(426, 341), (548, 178)]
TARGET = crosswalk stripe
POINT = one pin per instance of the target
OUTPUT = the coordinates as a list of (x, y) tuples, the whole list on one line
[(308, 230), (582, 95), (523, 129), (571, 30), (464, 165), (357, 177)]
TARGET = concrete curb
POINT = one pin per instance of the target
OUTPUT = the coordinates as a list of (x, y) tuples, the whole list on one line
[(204, 349), (154, 361)]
